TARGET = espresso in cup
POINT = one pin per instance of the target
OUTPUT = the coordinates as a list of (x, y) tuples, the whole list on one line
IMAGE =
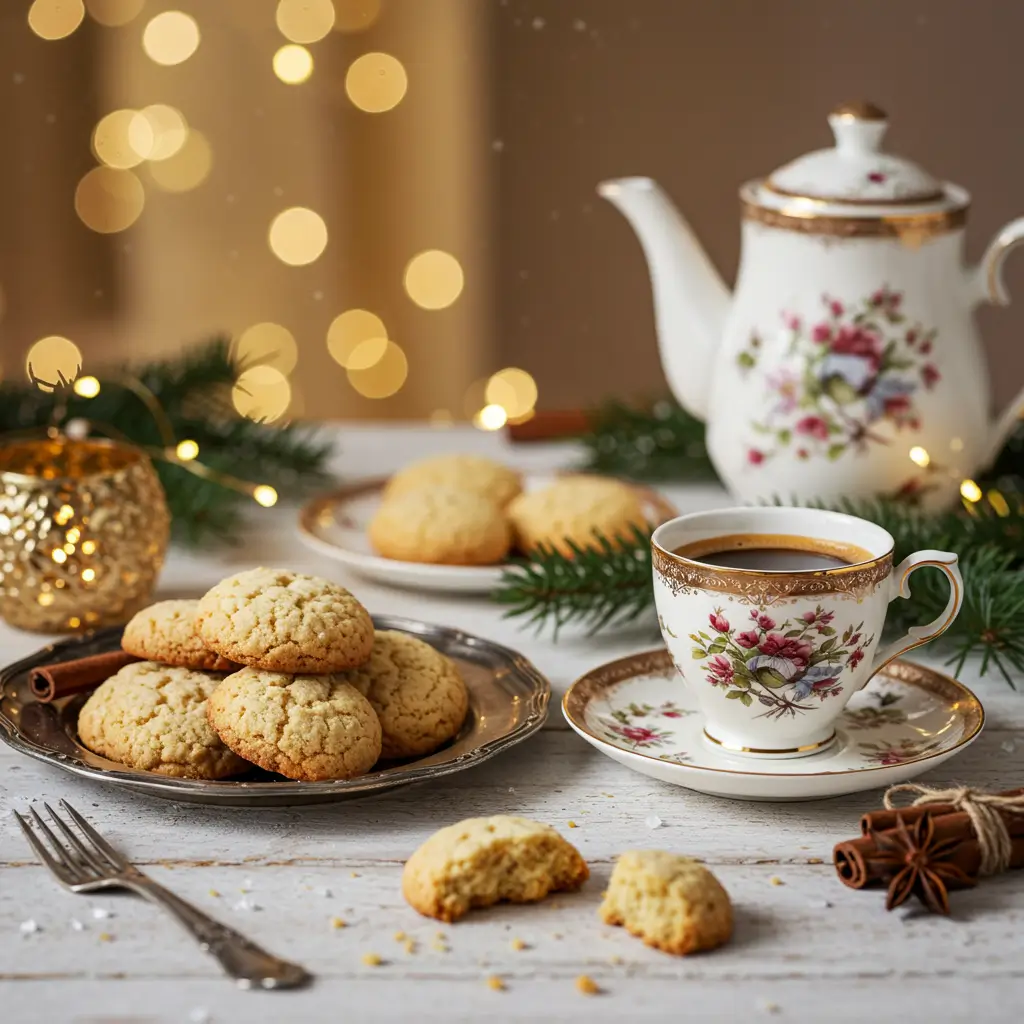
[(773, 618)]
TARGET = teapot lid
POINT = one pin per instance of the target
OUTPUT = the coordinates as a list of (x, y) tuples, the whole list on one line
[(855, 170)]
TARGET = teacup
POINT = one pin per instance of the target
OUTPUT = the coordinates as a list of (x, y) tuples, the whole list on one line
[(773, 618)]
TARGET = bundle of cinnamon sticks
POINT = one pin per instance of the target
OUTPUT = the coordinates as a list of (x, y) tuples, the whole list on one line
[(868, 861)]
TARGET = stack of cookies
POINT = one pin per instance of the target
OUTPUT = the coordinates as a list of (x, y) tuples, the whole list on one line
[(469, 510), (277, 669)]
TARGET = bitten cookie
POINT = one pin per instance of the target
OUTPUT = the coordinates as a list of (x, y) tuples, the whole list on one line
[(574, 509), (166, 632), (303, 727), (153, 717), (673, 903), (481, 861), (417, 693), (285, 622), (471, 473), (441, 525)]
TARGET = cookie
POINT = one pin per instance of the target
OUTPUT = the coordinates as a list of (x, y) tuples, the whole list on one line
[(442, 526), (673, 903), (481, 861), (304, 727), (417, 693), (573, 511), (153, 717), (166, 632), (472, 473), (285, 622)]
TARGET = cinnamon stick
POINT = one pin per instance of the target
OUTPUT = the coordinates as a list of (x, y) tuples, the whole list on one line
[(551, 426), (64, 678), (880, 821), (854, 859)]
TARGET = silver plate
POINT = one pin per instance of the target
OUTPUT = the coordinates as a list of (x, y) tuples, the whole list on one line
[(508, 700)]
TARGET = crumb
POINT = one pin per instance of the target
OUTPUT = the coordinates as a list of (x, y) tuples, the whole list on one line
[(400, 936), (587, 985), (572, 824), (614, 960), (105, 937), (652, 821), (337, 922), (611, 796), (246, 904), (410, 946), (76, 925), (372, 959), (775, 880), (815, 860), (766, 1006), (440, 935), (214, 893), (439, 946), (326, 893), (500, 145), (355, 874), (494, 982), (99, 913), (518, 944), (556, 935), (29, 927)]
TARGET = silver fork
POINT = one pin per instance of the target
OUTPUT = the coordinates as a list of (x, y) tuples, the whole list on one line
[(89, 862)]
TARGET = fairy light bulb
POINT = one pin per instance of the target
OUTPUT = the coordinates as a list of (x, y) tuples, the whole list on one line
[(87, 387), (919, 456), (265, 495), (187, 450), (970, 491)]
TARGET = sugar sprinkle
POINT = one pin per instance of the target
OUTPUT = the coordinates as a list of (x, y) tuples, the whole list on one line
[(76, 925), (29, 927), (652, 821)]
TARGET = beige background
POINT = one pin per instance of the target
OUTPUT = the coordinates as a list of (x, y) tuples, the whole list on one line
[(514, 112)]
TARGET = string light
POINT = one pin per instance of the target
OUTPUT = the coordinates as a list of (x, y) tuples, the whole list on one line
[(122, 139), (357, 339), (490, 417), (355, 15), (59, 555), (108, 200), (265, 495), (433, 279), (970, 491), (297, 236), (187, 450), (514, 390), (113, 13), (187, 168), (55, 19), (88, 574), (376, 82), (88, 547), (305, 21), (293, 64), (87, 387), (169, 130), (998, 503), (385, 377), (64, 514), (919, 456), (261, 393), (52, 358), (267, 344), (170, 38)]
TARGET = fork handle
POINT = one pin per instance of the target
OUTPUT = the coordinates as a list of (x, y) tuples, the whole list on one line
[(242, 959)]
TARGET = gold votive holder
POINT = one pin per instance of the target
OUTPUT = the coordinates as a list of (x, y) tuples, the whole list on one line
[(83, 532)]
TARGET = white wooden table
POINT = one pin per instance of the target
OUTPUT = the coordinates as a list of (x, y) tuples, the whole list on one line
[(809, 947)]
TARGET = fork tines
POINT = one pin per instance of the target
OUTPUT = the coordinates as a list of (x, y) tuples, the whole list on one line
[(78, 860)]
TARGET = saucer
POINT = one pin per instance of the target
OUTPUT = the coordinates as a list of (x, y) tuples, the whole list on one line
[(906, 721)]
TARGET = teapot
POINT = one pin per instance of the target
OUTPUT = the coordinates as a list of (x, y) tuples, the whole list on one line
[(846, 363)]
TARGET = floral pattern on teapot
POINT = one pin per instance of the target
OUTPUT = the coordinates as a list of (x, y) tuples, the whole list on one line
[(781, 665), (846, 373)]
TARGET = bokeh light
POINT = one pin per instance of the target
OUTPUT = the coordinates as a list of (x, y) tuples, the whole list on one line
[(267, 344), (297, 236), (265, 495), (114, 13), (357, 339), (123, 139), (109, 200), (53, 357), (305, 21), (970, 490), (187, 450), (170, 37), (385, 377), (87, 387), (261, 393), (55, 19), (919, 456), (169, 130), (186, 169), (376, 82), (355, 15), (293, 64), (490, 417), (514, 390), (434, 279)]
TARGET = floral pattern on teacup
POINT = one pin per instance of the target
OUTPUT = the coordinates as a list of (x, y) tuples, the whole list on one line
[(896, 751), (873, 717), (627, 725), (841, 376), (780, 663)]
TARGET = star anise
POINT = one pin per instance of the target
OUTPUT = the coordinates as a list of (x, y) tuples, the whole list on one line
[(918, 864)]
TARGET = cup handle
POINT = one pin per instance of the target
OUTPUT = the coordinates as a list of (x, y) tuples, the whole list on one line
[(899, 582)]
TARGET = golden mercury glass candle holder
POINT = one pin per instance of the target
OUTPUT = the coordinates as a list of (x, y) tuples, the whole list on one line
[(83, 531)]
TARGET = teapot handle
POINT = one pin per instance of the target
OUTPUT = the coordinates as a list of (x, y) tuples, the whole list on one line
[(987, 285)]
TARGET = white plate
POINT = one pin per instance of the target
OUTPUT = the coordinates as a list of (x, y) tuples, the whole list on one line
[(906, 721), (335, 524)]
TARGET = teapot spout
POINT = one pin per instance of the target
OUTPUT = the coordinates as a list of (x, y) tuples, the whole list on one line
[(690, 298)]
